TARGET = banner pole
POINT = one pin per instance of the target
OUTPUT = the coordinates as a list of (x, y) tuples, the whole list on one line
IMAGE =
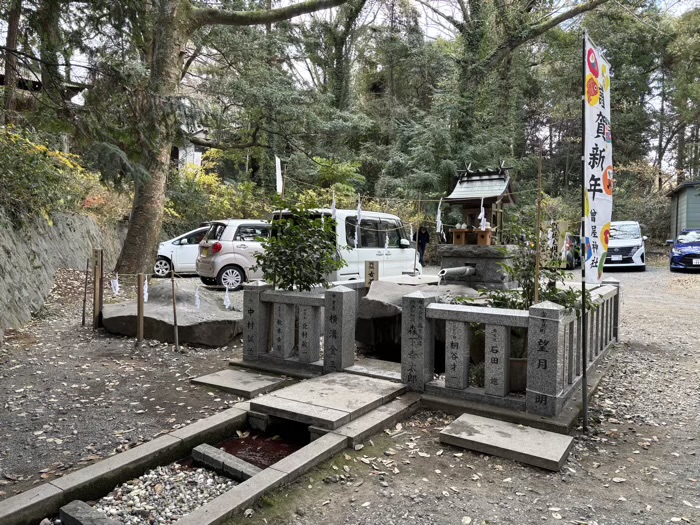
[(584, 320)]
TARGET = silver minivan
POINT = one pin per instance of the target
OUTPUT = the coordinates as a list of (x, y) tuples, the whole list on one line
[(227, 252)]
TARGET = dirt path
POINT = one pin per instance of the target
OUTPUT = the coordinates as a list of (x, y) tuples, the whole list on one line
[(71, 396), (639, 463)]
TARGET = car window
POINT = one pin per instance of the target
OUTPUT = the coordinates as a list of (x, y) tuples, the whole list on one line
[(251, 232), (369, 234), (624, 231), (216, 230), (688, 237), (393, 229), (195, 237)]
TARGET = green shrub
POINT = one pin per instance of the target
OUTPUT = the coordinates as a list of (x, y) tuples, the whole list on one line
[(300, 253), (38, 181), (196, 195)]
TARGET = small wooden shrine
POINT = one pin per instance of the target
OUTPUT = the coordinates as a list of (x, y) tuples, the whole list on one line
[(490, 188)]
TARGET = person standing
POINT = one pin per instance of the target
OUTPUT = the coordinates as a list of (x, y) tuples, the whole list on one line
[(422, 239)]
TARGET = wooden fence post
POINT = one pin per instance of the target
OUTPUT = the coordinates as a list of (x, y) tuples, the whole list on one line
[(140, 278), (97, 283)]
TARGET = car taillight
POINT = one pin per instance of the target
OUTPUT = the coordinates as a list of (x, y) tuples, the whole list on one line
[(216, 248)]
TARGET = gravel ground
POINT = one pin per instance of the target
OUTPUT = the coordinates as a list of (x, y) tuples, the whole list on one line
[(638, 464), (163, 495), (72, 396)]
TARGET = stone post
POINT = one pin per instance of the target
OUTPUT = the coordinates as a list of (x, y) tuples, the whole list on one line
[(339, 338), (545, 358), (309, 334), (417, 341), (283, 330), (497, 358), (458, 341), (609, 281), (256, 320)]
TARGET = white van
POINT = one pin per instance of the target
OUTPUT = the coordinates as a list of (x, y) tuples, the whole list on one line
[(397, 259), (626, 246)]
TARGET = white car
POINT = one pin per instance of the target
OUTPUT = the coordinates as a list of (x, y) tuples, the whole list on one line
[(179, 254), (394, 260), (626, 246)]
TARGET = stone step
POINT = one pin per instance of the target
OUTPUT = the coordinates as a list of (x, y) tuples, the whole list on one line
[(224, 463), (80, 513), (374, 422), (241, 382), (329, 401), (528, 445)]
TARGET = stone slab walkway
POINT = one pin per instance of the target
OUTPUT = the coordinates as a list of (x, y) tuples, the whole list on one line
[(328, 401), (528, 445), (243, 383)]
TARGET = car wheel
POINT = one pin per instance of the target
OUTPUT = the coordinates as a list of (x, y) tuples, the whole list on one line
[(231, 277), (162, 267), (209, 281)]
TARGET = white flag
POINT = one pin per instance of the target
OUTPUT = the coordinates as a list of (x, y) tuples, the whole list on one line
[(438, 219), (333, 210), (359, 220), (197, 299), (482, 216), (411, 235), (115, 284), (145, 290), (278, 172), (227, 299), (386, 244)]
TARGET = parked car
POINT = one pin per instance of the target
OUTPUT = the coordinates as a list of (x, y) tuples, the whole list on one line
[(397, 259), (227, 252), (685, 253), (179, 254), (626, 246)]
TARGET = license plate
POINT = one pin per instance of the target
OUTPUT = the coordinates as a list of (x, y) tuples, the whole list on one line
[(616, 257), (205, 252), (696, 262)]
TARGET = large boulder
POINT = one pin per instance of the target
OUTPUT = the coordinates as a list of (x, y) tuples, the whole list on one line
[(384, 298), (211, 325)]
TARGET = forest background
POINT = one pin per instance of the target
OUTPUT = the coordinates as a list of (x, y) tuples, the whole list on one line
[(383, 98)]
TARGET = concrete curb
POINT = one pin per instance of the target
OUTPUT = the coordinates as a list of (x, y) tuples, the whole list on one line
[(96, 480)]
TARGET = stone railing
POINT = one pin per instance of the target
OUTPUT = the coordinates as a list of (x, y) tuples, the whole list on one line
[(554, 363), (285, 328)]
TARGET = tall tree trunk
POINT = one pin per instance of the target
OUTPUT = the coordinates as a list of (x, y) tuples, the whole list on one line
[(160, 120), (340, 72), (680, 154), (48, 28), (174, 21), (11, 60)]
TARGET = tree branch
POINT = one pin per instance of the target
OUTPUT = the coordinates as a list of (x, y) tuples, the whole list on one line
[(208, 143), (534, 31), (210, 16), (456, 23)]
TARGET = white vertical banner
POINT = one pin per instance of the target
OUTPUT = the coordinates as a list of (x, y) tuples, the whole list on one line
[(278, 174), (598, 175), (438, 218)]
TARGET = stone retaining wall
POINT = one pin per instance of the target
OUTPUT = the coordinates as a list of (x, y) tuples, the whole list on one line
[(29, 258)]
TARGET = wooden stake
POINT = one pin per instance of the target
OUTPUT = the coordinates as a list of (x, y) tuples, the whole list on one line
[(140, 279), (87, 278), (172, 281), (96, 290), (102, 287)]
